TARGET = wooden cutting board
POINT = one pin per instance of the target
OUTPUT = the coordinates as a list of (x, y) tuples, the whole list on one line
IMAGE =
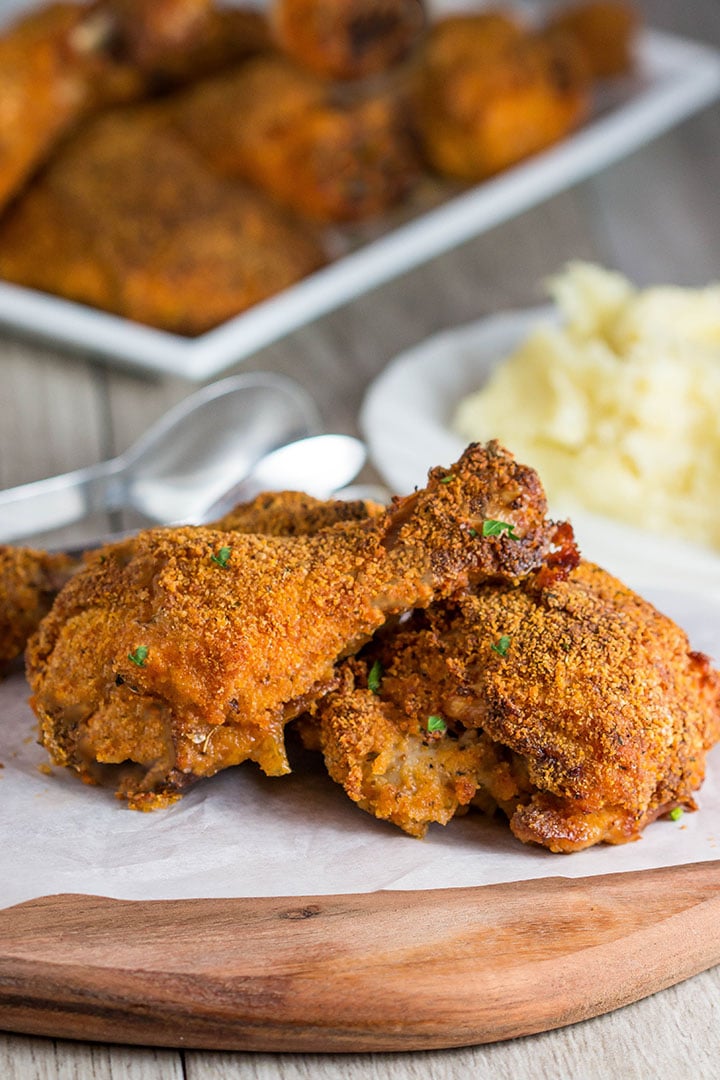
[(379, 971)]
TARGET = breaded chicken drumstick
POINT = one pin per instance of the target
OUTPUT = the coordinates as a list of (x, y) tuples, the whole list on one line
[(190, 651)]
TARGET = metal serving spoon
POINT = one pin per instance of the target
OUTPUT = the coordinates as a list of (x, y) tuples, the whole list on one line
[(182, 468)]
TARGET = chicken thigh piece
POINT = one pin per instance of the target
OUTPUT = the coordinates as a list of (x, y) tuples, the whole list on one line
[(126, 218), (577, 708), (189, 651), (326, 157)]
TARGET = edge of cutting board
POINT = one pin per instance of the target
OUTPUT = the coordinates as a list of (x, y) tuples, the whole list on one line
[(358, 972)]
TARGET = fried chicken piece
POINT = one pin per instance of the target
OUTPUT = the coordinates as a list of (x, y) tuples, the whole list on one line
[(577, 708), (348, 39), (324, 157), (491, 95), (29, 582), (176, 41), (127, 219), (606, 30), (50, 73), (189, 653)]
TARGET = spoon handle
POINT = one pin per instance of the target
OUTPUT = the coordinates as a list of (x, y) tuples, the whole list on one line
[(59, 500)]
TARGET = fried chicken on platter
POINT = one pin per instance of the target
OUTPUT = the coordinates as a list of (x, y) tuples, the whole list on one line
[(323, 155), (491, 94), (188, 651), (126, 218), (577, 708), (606, 30), (348, 39)]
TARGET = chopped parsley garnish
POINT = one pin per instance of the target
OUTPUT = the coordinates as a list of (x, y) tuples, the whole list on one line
[(473, 533), (139, 656), (436, 723), (222, 557), (491, 527), (375, 677), (501, 646), (446, 479), (676, 813)]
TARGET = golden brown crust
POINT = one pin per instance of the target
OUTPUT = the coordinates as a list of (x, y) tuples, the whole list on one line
[(239, 641), (491, 94), (606, 30), (325, 157), (29, 581), (348, 39), (127, 219), (597, 711)]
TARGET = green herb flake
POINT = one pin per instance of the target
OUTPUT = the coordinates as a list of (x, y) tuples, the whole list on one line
[(221, 559), (375, 677), (676, 813), (501, 647), (447, 479), (436, 724), (473, 533), (491, 527), (139, 656)]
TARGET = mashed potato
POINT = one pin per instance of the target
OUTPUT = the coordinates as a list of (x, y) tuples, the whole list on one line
[(619, 407)]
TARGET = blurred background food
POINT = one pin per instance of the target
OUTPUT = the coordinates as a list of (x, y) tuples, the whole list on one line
[(618, 405), (176, 162)]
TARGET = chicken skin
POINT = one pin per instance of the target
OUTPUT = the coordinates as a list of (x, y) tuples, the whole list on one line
[(348, 39), (491, 94), (324, 156), (190, 651), (576, 708), (127, 219)]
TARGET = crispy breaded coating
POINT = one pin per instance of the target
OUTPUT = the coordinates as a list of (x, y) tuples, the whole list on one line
[(577, 708), (126, 218), (293, 513), (29, 582), (606, 30), (188, 651), (324, 156), (491, 94), (348, 39)]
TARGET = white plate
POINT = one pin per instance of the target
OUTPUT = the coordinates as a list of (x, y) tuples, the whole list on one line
[(406, 419), (676, 77)]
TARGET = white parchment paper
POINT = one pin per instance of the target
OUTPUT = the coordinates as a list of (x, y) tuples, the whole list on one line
[(244, 834)]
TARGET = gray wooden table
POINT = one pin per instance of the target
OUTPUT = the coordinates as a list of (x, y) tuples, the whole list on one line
[(655, 216)]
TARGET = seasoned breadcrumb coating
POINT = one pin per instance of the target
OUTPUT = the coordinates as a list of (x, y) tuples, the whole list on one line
[(577, 708), (187, 650), (29, 582), (128, 219)]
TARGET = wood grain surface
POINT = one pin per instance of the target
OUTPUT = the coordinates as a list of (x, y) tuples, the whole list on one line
[(380, 971)]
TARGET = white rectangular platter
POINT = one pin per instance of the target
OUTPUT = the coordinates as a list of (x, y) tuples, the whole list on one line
[(675, 78)]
